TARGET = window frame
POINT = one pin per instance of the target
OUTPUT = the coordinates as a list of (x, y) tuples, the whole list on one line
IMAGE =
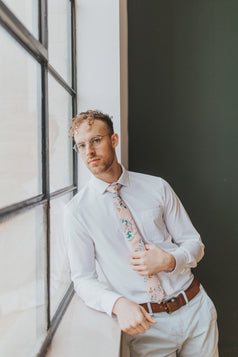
[(38, 49)]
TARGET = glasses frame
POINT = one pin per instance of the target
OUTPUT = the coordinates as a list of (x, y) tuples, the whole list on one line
[(77, 149)]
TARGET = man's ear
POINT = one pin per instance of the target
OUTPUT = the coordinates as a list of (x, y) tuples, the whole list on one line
[(115, 140)]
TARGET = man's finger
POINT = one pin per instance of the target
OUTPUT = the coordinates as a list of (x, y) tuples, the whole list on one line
[(140, 329), (148, 316), (135, 330), (130, 331), (139, 268), (137, 261), (145, 324), (143, 273), (136, 254)]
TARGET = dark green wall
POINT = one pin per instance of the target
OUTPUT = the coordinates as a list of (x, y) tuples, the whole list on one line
[(183, 126)]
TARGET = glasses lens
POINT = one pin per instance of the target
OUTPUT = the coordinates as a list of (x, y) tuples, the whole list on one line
[(75, 147), (96, 141)]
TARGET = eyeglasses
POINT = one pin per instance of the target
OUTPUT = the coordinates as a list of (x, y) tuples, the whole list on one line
[(93, 142)]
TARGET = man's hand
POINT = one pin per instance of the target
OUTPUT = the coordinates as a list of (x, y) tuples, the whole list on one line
[(132, 318), (152, 260)]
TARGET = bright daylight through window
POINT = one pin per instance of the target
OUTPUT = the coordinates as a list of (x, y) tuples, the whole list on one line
[(38, 173)]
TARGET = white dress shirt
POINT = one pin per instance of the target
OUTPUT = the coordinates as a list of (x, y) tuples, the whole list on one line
[(93, 232)]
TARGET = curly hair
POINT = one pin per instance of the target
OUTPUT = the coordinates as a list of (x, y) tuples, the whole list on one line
[(90, 116)]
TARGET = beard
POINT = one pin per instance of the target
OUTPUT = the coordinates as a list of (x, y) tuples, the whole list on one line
[(101, 166)]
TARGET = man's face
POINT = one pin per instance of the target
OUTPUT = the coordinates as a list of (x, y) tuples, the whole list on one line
[(101, 157)]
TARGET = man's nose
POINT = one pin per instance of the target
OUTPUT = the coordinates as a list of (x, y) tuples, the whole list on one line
[(89, 149)]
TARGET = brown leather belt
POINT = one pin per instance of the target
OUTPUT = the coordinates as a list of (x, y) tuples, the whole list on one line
[(174, 303)]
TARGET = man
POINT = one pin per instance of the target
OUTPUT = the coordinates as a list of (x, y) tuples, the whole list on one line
[(182, 321)]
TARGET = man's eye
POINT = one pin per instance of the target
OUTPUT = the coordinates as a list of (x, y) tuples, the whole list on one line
[(96, 141), (81, 146)]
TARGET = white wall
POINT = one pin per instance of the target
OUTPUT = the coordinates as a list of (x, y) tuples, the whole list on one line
[(102, 65)]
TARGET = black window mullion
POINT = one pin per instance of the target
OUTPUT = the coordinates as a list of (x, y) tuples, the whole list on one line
[(11, 23), (43, 23), (43, 16), (61, 80), (63, 191), (74, 83), (46, 182), (19, 207), (73, 47)]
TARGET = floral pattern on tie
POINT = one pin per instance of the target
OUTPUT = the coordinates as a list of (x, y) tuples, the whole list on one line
[(136, 243), (127, 228)]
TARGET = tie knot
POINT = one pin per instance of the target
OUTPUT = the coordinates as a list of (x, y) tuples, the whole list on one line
[(115, 188)]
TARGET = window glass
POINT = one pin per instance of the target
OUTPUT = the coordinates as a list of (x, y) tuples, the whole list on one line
[(20, 132), (29, 263), (59, 22), (60, 144), (27, 12), (22, 310), (59, 268)]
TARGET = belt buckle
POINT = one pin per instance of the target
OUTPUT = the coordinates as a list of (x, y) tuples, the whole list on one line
[(167, 306)]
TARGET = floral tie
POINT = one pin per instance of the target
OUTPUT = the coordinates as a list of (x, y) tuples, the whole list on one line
[(134, 239)]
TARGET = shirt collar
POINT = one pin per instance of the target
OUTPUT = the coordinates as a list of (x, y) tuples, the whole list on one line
[(101, 186)]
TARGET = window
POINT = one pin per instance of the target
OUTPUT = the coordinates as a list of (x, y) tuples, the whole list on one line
[(38, 169)]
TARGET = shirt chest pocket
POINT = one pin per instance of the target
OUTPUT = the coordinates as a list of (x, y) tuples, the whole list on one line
[(152, 225)]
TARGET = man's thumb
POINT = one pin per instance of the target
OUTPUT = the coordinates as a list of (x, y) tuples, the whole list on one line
[(149, 317)]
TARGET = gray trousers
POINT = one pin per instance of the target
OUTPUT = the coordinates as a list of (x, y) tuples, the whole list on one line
[(190, 331)]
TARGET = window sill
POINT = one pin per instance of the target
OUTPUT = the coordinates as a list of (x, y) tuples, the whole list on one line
[(85, 331)]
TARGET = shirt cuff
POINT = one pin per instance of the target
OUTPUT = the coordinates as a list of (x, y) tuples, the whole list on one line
[(109, 300), (181, 261)]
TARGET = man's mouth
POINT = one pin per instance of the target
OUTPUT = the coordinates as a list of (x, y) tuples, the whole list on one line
[(92, 161)]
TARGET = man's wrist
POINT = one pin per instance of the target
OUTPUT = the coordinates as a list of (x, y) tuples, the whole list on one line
[(171, 263), (116, 305)]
